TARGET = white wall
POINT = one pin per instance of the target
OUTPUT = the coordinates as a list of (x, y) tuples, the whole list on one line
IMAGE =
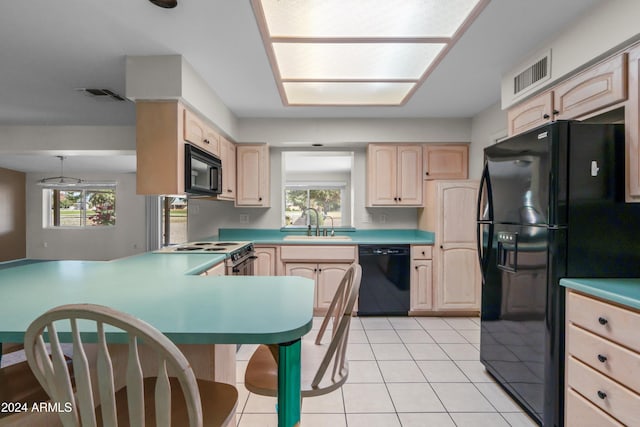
[(486, 127), (126, 238)]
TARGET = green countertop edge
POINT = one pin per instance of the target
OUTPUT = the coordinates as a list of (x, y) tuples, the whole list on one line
[(276, 236), (621, 291)]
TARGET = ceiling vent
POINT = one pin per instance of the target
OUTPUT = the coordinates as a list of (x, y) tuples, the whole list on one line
[(533, 75), (101, 94)]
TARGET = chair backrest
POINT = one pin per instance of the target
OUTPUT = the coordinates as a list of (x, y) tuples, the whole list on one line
[(52, 373), (339, 313)]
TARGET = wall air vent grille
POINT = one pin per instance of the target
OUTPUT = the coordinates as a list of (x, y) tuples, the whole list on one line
[(533, 74), (101, 94)]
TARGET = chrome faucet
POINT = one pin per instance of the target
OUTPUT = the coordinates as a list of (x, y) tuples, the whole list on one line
[(317, 219), (333, 233)]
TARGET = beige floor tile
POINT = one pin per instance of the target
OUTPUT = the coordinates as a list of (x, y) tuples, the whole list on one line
[(359, 352), (357, 336), (472, 336), (241, 366), (383, 336), (404, 323), (245, 351), (370, 323), (258, 420), (475, 371), (479, 420), (462, 397), (426, 352), (441, 371), (461, 351), (474, 319), (414, 336), (390, 352), (519, 419), (356, 324), (462, 323), (405, 371), (433, 323), (323, 420), (257, 404), (433, 419), (366, 398), (414, 397), (447, 336), (243, 395), (498, 397), (364, 372), (373, 420), (330, 403)]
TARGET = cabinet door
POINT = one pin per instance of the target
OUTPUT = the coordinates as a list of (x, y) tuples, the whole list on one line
[(228, 158), (265, 264), (409, 179), (216, 270), (632, 127), (530, 114), (197, 132), (445, 161), (306, 270), (598, 87), (421, 285), (458, 287), (381, 175), (458, 213), (329, 277), (253, 176)]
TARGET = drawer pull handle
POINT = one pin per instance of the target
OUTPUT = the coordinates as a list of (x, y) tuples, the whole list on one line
[(602, 321), (602, 358), (602, 395)]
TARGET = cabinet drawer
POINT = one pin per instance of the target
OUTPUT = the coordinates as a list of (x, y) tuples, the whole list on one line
[(581, 413), (611, 359), (421, 252), (612, 322), (603, 392), (317, 253)]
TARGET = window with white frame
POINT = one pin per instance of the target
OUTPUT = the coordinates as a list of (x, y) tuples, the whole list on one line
[(79, 207), (327, 200)]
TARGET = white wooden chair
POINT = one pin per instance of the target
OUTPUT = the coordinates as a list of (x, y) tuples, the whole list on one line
[(179, 400), (324, 366)]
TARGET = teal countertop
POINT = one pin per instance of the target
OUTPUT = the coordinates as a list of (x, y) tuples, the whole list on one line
[(621, 291), (165, 291), (358, 237)]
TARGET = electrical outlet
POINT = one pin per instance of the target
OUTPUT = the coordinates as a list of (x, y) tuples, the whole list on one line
[(244, 219), (383, 219)]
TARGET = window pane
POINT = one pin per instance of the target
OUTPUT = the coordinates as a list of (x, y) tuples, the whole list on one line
[(327, 202), (295, 202), (70, 208), (101, 207)]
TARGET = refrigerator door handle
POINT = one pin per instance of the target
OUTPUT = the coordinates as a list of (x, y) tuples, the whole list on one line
[(484, 209), (483, 254)]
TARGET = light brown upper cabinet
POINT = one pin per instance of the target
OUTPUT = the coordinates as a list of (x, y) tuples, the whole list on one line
[(252, 175), (228, 158), (597, 87), (445, 161), (530, 114), (199, 133), (632, 126), (394, 175)]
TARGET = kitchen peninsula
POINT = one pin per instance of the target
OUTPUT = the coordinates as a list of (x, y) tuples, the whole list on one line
[(166, 291)]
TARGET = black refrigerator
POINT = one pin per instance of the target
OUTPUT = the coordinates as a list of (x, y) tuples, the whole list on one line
[(551, 205)]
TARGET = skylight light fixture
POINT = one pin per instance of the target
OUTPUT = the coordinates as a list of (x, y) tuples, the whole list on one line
[(358, 52)]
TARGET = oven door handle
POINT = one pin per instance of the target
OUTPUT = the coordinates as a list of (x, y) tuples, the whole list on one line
[(236, 268)]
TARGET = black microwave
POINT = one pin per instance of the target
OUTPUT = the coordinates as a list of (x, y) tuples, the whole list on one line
[(202, 172)]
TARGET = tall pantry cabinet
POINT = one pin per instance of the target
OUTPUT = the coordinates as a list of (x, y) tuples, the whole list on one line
[(449, 211)]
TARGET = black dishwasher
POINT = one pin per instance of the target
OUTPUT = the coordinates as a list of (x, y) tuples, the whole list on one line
[(384, 289)]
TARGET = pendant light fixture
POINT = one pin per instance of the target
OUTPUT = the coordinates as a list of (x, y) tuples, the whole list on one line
[(165, 4), (60, 181)]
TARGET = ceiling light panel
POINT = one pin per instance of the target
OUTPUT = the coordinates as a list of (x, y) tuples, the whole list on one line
[(349, 61), (346, 93), (358, 52), (365, 18)]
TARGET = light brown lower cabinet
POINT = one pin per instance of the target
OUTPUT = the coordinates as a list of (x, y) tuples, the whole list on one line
[(265, 263), (421, 294), (602, 363), (326, 276)]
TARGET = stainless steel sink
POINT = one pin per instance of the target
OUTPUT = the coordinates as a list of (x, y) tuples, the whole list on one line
[(312, 238)]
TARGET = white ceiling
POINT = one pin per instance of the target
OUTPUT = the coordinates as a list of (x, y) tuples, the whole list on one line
[(50, 48)]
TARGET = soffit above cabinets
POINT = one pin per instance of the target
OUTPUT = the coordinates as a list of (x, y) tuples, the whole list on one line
[(358, 52)]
